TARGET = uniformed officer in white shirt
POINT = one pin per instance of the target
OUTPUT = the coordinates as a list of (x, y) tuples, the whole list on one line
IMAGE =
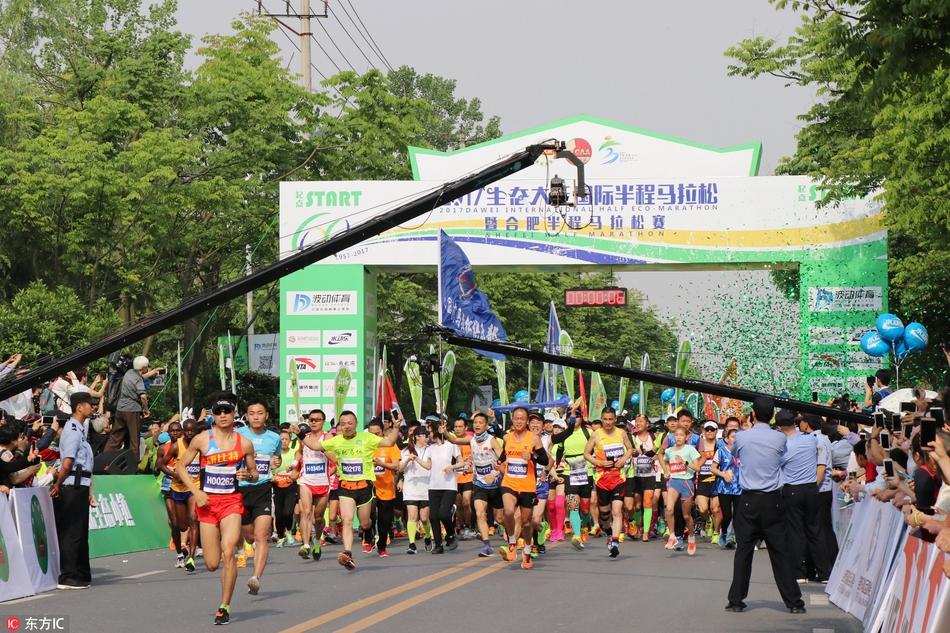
[(72, 496)]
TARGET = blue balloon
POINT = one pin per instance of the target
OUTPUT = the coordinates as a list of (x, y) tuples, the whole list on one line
[(682, 398), (915, 337), (900, 350), (873, 345), (522, 396), (635, 399), (615, 405), (668, 395), (889, 327), (495, 403)]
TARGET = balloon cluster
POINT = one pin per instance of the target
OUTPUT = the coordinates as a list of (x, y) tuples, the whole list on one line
[(892, 336)]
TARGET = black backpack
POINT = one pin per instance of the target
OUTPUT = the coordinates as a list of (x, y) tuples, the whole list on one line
[(119, 365)]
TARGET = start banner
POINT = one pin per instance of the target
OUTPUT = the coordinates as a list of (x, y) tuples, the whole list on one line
[(129, 515)]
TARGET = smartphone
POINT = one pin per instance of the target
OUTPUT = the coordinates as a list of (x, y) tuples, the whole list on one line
[(895, 422), (162, 371), (928, 431), (48, 420), (878, 419), (814, 396), (889, 467), (870, 380), (864, 436), (908, 429), (885, 439), (937, 414), (395, 414), (908, 407), (852, 475)]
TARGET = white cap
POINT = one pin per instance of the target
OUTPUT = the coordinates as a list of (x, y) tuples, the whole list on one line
[(139, 363)]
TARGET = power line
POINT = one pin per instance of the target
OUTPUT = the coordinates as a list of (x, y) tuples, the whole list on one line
[(342, 26), (335, 46), (371, 41)]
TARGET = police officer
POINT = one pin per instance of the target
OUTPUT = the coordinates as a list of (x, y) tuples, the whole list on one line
[(800, 491), (760, 509), (72, 496)]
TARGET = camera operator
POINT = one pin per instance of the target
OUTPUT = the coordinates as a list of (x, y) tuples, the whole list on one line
[(131, 407), (877, 388)]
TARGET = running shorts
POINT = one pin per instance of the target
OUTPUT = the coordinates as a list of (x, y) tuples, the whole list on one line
[(220, 506), (705, 489), (542, 490), (180, 497), (166, 494), (583, 491), (607, 496), (318, 491), (640, 485), (334, 494), (525, 499), (686, 488), (361, 496), (465, 487), (418, 503), (257, 502), (492, 496)]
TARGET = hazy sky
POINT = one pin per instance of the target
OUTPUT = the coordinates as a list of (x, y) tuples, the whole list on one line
[(655, 65)]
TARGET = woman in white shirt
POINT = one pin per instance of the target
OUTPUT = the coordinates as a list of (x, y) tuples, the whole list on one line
[(443, 459), (415, 487)]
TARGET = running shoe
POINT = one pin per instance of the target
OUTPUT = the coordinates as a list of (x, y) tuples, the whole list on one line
[(557, 536), (585, 534), (577, 543), (613, 548), (248, 549), (190, 564), (520, 543), (715, 539), (438, 549), (199, 553), (730, 543), (316, 551), (346, 560), (222, 616), (542, 548), (304, 552), (292, 542), (486, 550), (383, 553), (451, 544), (621, 537), (526, 562), (428, 544), (633, 531), (545, 533), (596, 532), (691, 547), (329, 538), (253, 585), (507, 552), (411, 549), (280, 543), (180, 561), (367, 548), (534, 551), (680, 544), (241, 559), (670, 542)]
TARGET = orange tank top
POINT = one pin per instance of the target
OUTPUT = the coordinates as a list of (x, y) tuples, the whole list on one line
[(519, 467)]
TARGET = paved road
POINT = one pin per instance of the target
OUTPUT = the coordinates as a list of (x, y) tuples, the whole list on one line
[(646, 589)]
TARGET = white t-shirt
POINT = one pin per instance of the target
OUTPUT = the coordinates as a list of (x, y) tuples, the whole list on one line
[(415, 483), (441, 456)]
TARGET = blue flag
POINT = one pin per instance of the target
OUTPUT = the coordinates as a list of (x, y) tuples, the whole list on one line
[(548, 387), (462, 306)]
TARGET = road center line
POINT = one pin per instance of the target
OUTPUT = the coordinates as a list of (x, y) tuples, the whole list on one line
[(381, 616), (365, 602)]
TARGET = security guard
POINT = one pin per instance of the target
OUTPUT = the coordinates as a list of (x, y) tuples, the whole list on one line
[(72, 496), (760, 511)]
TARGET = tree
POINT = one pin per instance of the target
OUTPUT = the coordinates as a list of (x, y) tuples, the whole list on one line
[(882, 123)]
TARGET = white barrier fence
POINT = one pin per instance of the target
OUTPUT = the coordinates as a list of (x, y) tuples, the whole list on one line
[(29, 548)]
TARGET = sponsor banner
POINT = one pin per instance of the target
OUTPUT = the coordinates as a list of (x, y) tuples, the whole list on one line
[(306, 364), (307, 388), (826, 360), (827, 386), (299, 339), (263, 351), (339, 339), (329, 387), (333, 362), (36, 528), (854, 338), (129, 515), (855, 386), (14, 576), (321, 302), (838, 299), (917, 597), (292, 415), (826, 336), (859, 360)]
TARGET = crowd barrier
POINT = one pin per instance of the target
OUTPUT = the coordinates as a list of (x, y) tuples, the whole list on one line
[(129, 515), (889, 579)]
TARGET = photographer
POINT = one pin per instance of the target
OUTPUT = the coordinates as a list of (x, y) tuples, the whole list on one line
[(877, 389), (131, 407)]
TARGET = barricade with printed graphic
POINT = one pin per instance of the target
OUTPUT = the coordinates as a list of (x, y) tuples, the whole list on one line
[(129, 515), (14, 576), (36, 528)]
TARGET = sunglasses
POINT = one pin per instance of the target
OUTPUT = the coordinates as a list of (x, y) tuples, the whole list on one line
[(220, 410)]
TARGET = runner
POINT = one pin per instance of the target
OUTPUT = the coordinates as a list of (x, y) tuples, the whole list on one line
[(485, 451), (185, 509), (542, 487), (256, 521), (465, 480), (644, 480), (522, 450), (224, 456), (557, 508), (442, 460), (707, 502), (415, 490), (726, 468), (314, 489), (165, 441), (680, 463), (576, 472), (608, 449), (354, 452), (286, 493), (385, 465)]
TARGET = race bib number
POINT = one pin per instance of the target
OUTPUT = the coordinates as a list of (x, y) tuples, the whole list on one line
[(166, 483), (677, 468), (579, 478), (315, 468), (517, 468), (379, 470), (193, 469), (644, 466), (483, 471), (220, 481), (613, 451), (263, 464), (352, 468)]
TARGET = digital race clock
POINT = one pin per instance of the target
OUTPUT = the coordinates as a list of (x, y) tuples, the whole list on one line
[(595, 297)]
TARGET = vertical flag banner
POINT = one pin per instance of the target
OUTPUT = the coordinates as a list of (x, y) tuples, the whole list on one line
[(502, 376), (436, 383), (448, 370), (583, 394), (548, 388), (528, 389), (598, 396), (414, 380), (462, 306), (644, 387), (294, 390), (341, 386), (682, 362), (624, 381), (566, 346)]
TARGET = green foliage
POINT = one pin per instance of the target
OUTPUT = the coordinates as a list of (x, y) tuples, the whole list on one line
[(41, 320), (254, 385), (881, 70)]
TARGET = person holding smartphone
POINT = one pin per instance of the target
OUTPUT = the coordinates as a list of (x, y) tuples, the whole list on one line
[(877, 388)]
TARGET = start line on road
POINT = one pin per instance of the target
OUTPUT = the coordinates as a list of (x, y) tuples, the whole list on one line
[(648, 588)]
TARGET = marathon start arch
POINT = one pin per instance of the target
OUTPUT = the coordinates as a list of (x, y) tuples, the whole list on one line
[(653, 202)]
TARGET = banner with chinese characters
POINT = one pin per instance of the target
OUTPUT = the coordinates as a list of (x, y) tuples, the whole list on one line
[(129, 515)]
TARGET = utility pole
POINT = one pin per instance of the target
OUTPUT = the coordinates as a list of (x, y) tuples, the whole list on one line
[(304, 16)]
